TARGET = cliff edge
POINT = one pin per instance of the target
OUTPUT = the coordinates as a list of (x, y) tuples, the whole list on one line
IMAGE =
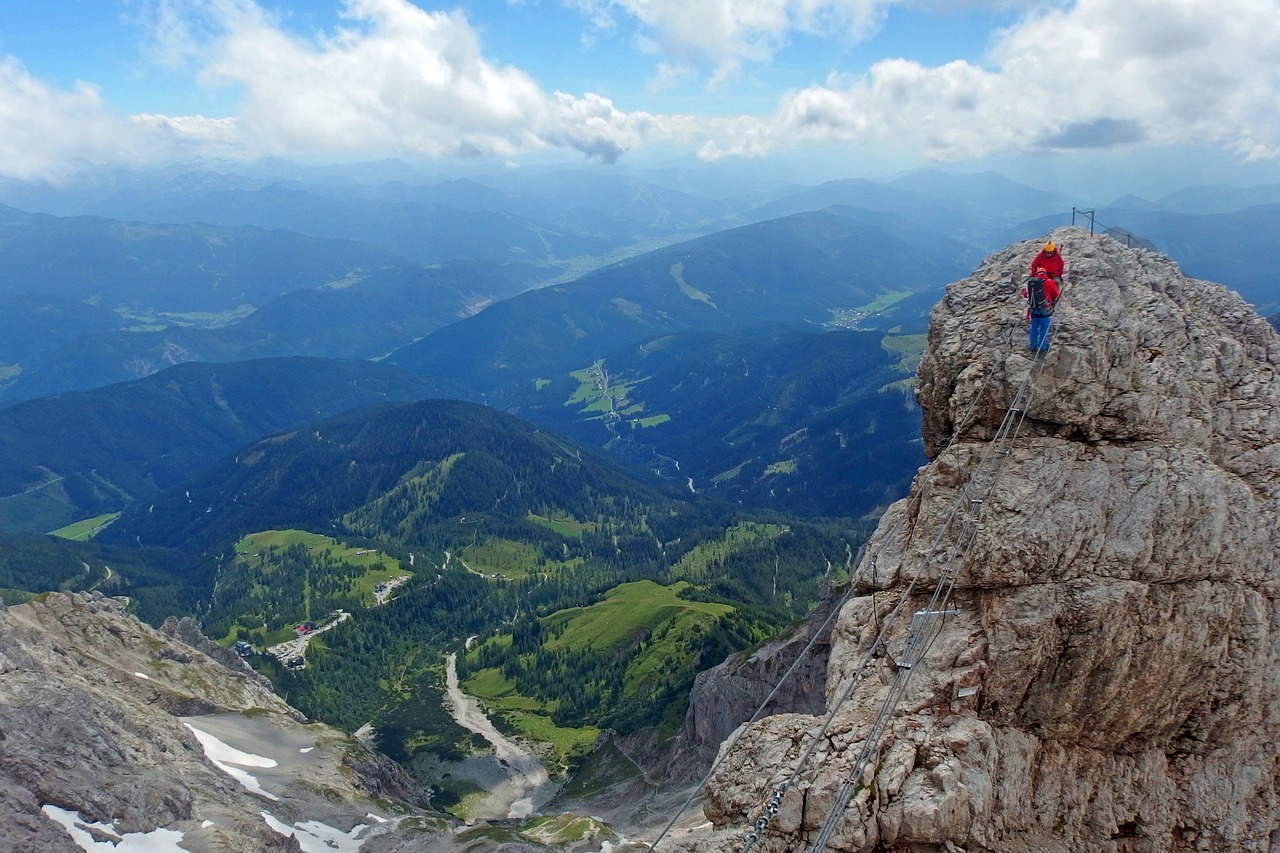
[(1105, 674)]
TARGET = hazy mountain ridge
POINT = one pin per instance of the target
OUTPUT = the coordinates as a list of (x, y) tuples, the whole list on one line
[(806, 267), (169, 268), (364, 317), (784, 416), (288, 480), (77, 455), (433, 223), (966, 208)]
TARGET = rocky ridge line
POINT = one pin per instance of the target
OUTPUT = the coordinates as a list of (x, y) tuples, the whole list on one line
[(94, 707), (1109, 683)]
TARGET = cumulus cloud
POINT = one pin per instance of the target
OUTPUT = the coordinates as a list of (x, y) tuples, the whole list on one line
[(394, 79), (48, 132), (724, 35), (1095, 73)]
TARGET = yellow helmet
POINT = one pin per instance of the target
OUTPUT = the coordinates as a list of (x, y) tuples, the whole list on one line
[(1049, 247)]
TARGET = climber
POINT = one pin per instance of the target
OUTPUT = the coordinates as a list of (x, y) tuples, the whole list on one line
[(1041, 293), (1051, 259)]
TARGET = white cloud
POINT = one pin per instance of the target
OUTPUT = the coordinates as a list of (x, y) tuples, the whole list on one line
[(1104, 74), (724, 35), (395, 79), (45, 132)]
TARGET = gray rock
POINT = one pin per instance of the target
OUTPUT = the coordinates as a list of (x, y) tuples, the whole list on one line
[(90, 707), (1109, 681)]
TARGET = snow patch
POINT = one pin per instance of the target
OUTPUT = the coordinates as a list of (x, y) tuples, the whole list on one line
[(224, 755), (159, 840), (316, 837)]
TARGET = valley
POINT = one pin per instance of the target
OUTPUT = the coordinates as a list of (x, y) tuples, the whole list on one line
[(526, 785), (486, 484)]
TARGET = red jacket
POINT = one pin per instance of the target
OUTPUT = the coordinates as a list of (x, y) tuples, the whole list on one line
[(1052, 263)]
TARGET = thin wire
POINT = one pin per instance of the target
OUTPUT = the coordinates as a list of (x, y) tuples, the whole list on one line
[(962, 424), (773, 804), (1006, 434)]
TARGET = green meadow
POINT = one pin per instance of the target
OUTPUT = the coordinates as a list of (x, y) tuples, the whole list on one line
[(84, 530)]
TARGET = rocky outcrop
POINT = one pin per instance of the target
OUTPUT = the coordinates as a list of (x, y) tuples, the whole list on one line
[(119, 729), (789, 674), (1108, 680), (187, 631)]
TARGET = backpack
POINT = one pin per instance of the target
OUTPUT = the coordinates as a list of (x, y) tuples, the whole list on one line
[(1038, 304)]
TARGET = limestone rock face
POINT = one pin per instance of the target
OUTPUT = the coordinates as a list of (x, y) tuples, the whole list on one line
[(99, 716), (1109, 679), (732, 692)]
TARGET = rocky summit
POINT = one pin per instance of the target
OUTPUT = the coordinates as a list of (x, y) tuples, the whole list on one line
[(1066, 638)]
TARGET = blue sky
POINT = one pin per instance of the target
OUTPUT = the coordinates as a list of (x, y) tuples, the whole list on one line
[(841, 85)]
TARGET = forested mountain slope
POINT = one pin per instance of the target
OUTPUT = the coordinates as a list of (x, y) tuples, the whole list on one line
[(77, 455), (785, 416), (504, 532), (813, 267)]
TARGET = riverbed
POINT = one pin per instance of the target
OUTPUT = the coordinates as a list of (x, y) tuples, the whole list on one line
[(524, 784)]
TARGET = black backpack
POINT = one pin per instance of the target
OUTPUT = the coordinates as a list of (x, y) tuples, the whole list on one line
[(1036, 300)]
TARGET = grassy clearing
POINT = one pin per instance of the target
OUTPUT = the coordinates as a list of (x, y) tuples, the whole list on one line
[(566, 829), (905, 344), (731, 474), (565, 525), (152, 321), (626, 608), (510, 559), (849, 318), (596, 392), (911, 348), (786, 466), (86, 529), (378, 567), (530, 719), (696, 564), (677, 273), (643, 616)]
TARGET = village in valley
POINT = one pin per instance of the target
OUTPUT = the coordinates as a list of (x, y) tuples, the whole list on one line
[(292, 653), (262, 552)]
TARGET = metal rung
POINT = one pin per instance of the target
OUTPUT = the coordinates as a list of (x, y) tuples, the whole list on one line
[(918, 620)]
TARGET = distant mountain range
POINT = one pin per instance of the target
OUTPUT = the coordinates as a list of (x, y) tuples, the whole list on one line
[(817, 267), (790, 417), (550, 218), (313, 478), (168, 268), (365, 316), (77, 455)]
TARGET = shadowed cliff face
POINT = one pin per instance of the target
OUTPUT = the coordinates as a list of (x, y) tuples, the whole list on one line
[(1108, 682)]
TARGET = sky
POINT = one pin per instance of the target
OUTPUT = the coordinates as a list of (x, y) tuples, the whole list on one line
[(845, 86)]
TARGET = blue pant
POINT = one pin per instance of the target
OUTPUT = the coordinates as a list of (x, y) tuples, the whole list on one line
[(1038, 333)]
